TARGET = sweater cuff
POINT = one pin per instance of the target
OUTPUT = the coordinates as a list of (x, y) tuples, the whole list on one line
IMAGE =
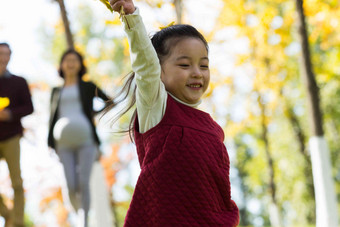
[(131, 21)]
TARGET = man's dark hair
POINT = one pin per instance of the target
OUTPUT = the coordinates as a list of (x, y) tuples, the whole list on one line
[(6, 45)]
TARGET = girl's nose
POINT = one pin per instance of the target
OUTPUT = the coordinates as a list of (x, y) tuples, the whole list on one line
[(196, 72)]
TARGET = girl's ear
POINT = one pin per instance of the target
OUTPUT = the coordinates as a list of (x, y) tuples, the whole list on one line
[(162, 74)]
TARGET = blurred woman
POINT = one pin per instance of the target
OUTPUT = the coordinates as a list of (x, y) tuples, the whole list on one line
[(72, 132)]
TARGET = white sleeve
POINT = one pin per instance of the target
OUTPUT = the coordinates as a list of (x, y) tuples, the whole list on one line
[(151, 96)]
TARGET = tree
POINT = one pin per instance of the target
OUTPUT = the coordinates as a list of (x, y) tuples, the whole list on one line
[(267, 25), (274, 206), (68, 33), (326, 205), (179, 10), (178, 5)]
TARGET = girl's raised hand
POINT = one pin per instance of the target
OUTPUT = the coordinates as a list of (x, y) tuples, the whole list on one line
[(127, 5)]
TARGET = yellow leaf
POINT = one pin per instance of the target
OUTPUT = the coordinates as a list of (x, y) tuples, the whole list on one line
[(4, 102), (107, 4), (170, 24), (126, 47), (116, 21)]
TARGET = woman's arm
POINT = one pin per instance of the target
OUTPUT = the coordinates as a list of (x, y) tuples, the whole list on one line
[(101, 94)]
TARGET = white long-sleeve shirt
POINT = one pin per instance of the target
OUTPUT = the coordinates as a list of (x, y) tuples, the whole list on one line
[(151, 96)]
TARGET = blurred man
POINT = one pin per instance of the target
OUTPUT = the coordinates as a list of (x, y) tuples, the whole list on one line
[(15, 91)]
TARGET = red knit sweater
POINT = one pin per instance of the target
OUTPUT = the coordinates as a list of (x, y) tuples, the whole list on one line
[(184, 179)]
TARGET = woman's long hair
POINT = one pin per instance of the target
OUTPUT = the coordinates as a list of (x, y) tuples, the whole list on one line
[(163, 41), (82, 70)]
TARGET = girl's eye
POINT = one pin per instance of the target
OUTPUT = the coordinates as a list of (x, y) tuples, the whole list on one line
[(205, 66), (183, 65)]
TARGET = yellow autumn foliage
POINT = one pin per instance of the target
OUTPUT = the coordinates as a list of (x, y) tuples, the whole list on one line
[(109, 164), (115, 22), (107, 4), (54, 199), (4, 102)]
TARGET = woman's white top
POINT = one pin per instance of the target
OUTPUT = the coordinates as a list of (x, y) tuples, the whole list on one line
[(72, 128)]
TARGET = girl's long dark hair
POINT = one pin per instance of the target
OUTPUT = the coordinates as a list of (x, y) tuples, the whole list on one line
[(163, 41), (127, 92)]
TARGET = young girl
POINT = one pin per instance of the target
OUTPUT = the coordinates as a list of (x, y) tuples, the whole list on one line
[(184, 179)]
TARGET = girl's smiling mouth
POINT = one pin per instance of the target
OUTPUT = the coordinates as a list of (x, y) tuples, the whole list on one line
[(195, 85)]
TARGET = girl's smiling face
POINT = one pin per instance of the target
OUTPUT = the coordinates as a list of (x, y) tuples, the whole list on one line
[(185, 72)]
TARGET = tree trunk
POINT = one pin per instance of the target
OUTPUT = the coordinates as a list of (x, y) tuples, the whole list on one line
[(301, 139), (179, 10), (326, 203), (68, 33), (274, 211), (240, 163), (100, 198), (244, 219), (308, 76)]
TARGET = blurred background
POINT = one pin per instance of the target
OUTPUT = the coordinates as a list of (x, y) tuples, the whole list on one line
[(259, 93)]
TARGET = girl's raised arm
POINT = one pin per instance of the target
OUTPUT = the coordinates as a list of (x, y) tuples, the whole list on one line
[(151, 95)]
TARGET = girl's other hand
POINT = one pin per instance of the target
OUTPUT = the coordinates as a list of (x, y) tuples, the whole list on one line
[(127, 5)]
